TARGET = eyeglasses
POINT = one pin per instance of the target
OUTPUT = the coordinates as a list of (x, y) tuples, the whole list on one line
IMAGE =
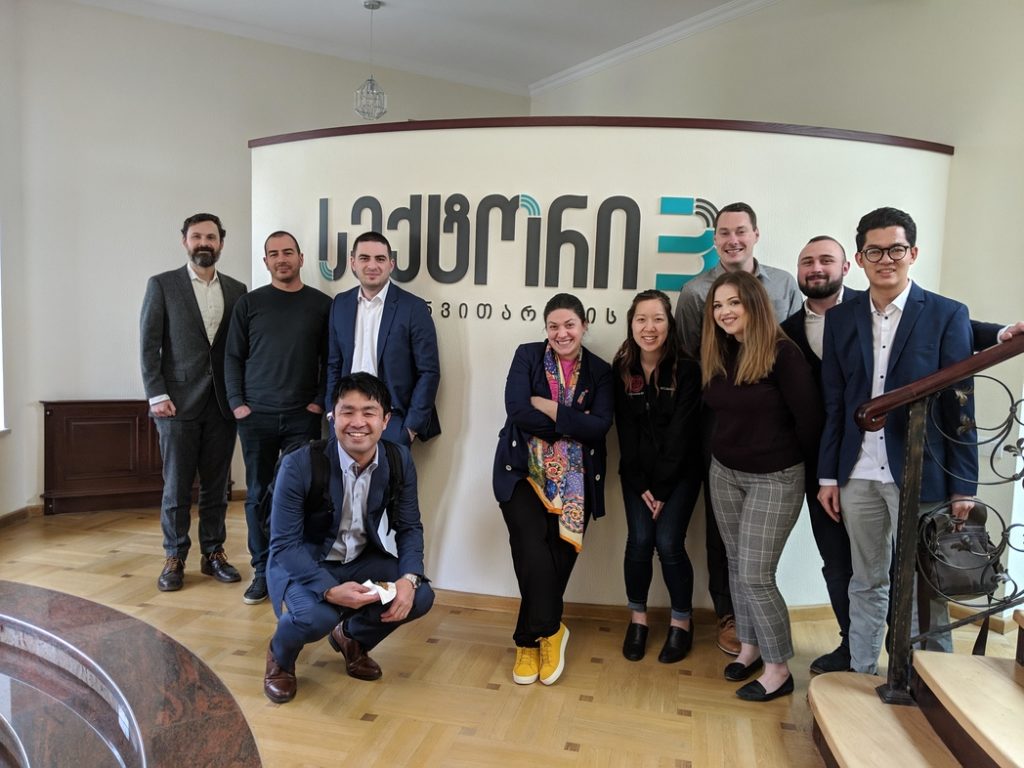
[(895, 252)]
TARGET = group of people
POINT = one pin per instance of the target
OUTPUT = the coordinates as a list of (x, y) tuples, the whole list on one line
[(762, 414), (716, 394), (343, 550)]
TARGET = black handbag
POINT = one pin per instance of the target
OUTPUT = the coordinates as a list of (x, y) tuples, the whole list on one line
[(957, 557)]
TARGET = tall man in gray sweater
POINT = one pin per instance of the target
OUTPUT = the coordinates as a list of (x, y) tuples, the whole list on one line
[(275, 371)]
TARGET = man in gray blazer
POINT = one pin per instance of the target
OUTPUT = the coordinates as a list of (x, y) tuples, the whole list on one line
[(185, 317)]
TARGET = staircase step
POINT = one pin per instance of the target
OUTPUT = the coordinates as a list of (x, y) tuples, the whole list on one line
[(982, 695), (854, 728)]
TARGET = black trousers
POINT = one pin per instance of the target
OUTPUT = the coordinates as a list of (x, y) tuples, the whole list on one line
[(543, 563), (718, 560), (837, 561)]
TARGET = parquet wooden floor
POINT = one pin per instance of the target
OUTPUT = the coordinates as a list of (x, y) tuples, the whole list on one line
[(447, 697)]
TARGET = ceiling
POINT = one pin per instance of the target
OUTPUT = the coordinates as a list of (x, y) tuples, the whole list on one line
[(517, 46)]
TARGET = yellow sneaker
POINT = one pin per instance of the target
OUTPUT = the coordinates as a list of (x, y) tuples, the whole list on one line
[(552, 655), (527, 665)]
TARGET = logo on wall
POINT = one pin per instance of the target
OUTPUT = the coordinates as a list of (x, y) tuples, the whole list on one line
[(702, 244), (455, 214)]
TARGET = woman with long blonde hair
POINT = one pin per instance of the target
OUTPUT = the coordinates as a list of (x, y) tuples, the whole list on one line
[(767, 423)]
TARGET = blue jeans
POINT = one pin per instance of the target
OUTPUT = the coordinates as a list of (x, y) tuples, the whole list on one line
[(667, 536), (264, 436)]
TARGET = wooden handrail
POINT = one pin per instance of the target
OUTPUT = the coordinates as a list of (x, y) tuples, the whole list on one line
[(871, 415)]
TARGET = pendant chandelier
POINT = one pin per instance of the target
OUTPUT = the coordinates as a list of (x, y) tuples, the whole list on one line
[(370, 100)]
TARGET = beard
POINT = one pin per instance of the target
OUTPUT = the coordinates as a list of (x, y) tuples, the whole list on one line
[(204, 256), (821, 290)]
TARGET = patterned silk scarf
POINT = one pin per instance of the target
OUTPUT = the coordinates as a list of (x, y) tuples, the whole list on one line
[(556, 469)]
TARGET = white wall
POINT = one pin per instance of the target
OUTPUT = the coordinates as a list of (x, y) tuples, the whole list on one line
[(13, 485), (123, 127)]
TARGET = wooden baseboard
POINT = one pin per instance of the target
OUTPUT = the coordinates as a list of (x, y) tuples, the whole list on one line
[(237, 495), (594, 611), (1000, 624), (32, 510)]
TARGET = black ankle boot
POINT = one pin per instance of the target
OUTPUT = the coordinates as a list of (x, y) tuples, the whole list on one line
[(635, 644)]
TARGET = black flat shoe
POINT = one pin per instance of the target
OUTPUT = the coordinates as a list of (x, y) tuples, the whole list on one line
[(737, 672), (677, 645), (635, 645), (755, 691)]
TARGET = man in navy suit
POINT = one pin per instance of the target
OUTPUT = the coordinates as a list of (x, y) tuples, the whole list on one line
[(382, 329), (821, 267), (875, 342), (184, 324), (324, 551)]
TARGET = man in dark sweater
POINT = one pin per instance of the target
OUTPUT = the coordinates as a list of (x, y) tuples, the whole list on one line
[(275, 369)]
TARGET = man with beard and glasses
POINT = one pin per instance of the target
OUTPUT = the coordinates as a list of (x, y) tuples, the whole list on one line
[(185, 316), (275, 371), (820, 270)]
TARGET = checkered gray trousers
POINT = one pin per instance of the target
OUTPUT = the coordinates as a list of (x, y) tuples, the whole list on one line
[(755, 514)]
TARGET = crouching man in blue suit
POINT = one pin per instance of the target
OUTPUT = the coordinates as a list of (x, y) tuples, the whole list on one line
[(323, 549)]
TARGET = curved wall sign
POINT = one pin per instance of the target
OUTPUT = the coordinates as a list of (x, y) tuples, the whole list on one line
[(489, 218)]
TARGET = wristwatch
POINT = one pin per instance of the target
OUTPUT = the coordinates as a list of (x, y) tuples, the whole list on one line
[(413, 579)]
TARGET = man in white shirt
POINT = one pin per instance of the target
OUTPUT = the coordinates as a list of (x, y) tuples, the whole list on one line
[(379, 328), (873, 343), (185, 317)]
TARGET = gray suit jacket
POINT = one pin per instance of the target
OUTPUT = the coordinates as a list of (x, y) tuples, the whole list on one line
[(177, 357)]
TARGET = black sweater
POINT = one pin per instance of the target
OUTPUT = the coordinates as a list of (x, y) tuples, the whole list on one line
[(276, 357), (769, 425)]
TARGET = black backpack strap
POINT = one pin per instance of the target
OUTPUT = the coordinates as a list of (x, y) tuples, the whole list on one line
[(320, 472), (396, 478)]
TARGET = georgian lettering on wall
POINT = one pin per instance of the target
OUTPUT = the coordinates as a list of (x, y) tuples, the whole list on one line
[(473, 226)]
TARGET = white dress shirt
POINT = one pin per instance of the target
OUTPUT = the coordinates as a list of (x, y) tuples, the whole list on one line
[(814, 326), (368, 315), (210, 298), (873, 461)]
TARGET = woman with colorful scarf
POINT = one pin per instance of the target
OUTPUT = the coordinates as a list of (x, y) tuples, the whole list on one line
[(549, 476)]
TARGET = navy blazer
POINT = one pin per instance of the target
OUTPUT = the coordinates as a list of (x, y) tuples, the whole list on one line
[(587, 420), (407, 360), (295, 555), (178, 359), (934, 332), (984, 334)]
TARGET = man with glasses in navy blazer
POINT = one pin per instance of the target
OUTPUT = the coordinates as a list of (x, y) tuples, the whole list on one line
[(875, 342)]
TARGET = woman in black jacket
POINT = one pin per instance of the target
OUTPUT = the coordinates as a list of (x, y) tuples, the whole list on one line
[(549, 476), (657, 397)]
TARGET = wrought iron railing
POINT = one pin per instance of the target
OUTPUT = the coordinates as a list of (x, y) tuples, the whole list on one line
[(916, 398)]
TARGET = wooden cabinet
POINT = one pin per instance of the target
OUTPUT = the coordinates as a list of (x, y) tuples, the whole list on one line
[(100, 454)]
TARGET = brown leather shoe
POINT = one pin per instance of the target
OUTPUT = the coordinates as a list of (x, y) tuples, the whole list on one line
[(279, 684), (172, 577), (358, 664), (727, 640)]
